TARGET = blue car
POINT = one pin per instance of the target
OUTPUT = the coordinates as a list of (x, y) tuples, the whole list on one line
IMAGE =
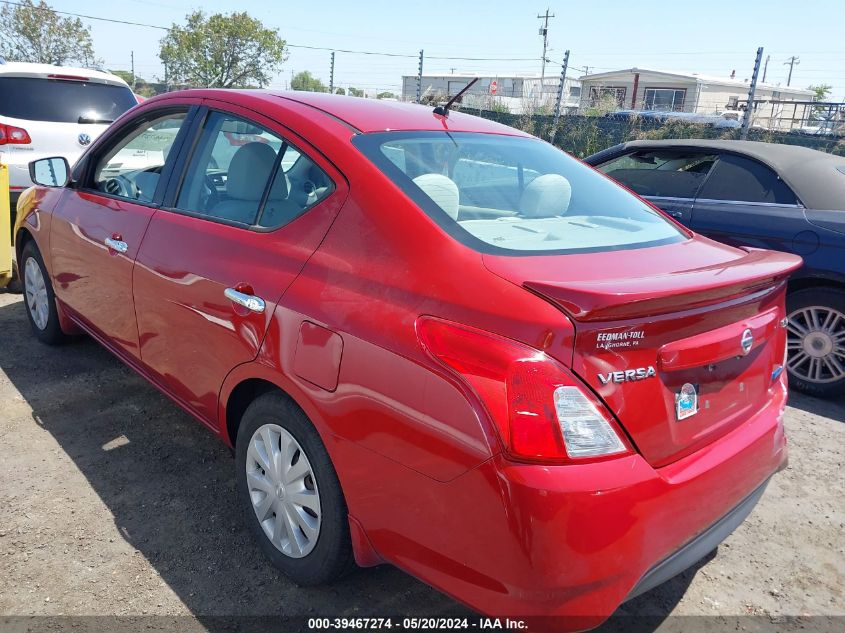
[(746, 193)]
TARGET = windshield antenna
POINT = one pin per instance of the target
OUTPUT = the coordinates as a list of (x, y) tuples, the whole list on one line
[(444, 109)]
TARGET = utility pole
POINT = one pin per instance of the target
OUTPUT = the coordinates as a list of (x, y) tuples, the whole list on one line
[(793, 61), (766, 68), (419, 78), (331, 76), (749, 109), (132, 57), (560, 94), (544, 31)]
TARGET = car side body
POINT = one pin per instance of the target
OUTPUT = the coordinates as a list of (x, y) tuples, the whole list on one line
[(762, 195), (344, 310)]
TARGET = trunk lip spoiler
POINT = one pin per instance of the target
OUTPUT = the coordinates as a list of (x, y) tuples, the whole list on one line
[(622, 298)]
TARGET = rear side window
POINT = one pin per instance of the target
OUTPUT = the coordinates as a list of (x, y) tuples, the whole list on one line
[(662, 173), (62, 101), (745, 180), (243, 173), (513, 195)]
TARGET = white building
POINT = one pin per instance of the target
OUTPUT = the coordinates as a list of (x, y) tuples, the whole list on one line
[(644, 89), (518, 94)]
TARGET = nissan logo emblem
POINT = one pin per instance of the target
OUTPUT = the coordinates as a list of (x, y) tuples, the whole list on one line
[(747, 341), (84, 139)]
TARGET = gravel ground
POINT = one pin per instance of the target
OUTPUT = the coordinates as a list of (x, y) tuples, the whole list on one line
[(114, 502)]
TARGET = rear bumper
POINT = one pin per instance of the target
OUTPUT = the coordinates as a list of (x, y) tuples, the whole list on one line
[(574, 541), (699, 547)]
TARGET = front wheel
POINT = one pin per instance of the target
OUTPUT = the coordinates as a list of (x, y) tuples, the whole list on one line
[(39, 297), (816, 341), (290, 493)]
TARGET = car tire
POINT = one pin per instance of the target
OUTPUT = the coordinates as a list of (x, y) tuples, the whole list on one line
[(286, 532), (39, 298), (816, 341)]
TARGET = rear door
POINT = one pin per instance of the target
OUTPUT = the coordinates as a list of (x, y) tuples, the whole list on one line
[(668, 178), (744, 202), (253, 203), (98, 226)]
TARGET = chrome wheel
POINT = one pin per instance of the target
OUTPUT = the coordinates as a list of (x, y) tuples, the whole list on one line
[(816, 344), (283, 491), (36, 294)]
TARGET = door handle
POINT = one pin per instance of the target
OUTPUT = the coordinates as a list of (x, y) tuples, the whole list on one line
[(117, 245), (250, 302), (677, 215)]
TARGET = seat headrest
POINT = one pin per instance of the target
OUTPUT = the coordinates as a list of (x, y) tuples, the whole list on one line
[(546, 196), (442, 190), (249, 171)]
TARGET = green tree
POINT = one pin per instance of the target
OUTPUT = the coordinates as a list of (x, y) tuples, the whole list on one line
[(306, 81), (354, 92), (340, 91), (32, 32), (125, 75), (222, 51), (822, 91), (385, 95)]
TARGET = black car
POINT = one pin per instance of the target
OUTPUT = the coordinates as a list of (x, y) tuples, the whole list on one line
[(765, 195)]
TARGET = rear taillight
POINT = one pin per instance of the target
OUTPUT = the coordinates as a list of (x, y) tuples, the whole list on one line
[(541, 411), (11, 135)]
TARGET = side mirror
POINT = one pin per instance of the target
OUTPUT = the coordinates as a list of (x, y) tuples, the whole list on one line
[(50, 172)]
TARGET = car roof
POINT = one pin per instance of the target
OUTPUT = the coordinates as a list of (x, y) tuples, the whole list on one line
[(44, 71), (361, 114), (817, 178), (378, 115)]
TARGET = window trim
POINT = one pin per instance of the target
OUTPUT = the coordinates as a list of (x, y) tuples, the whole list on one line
[(112, 138), (645, 98), (186, 154)]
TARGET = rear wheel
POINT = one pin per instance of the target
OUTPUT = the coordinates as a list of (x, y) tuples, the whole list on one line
[(290, 493), (816, 341), (39, 297)]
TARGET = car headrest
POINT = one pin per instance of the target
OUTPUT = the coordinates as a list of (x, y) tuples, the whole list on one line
[(442, 190), (248, 173), (546, 196)]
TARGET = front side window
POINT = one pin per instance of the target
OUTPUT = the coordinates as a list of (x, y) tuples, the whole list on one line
[(661, 173), (513, 195), (745, 180), (132, 168), (665, 99), (243, 173)]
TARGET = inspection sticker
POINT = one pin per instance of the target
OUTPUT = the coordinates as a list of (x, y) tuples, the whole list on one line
[(686, 401)]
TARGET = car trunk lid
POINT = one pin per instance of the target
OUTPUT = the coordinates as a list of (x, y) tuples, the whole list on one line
[(680, 352)]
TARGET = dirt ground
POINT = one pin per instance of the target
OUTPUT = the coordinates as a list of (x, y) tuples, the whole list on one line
[(114, 502)]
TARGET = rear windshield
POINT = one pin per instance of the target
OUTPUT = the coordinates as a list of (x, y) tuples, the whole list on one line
[(60, 101), (514, 195)]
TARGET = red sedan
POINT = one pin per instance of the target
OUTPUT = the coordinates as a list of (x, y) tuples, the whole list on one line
[(432, 340)]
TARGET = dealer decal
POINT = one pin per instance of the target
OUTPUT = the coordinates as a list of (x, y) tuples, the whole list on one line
[(628, 338)]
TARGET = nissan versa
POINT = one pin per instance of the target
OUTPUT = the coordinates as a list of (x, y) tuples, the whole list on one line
[(432, 340)]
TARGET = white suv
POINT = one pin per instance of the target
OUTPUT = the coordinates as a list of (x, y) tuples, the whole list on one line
[(53, 111)]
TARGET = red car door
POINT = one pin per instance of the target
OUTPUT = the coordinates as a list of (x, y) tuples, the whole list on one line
[(253, 204), (97, 227)]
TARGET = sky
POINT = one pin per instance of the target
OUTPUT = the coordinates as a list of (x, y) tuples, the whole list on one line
[(711, 37)]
